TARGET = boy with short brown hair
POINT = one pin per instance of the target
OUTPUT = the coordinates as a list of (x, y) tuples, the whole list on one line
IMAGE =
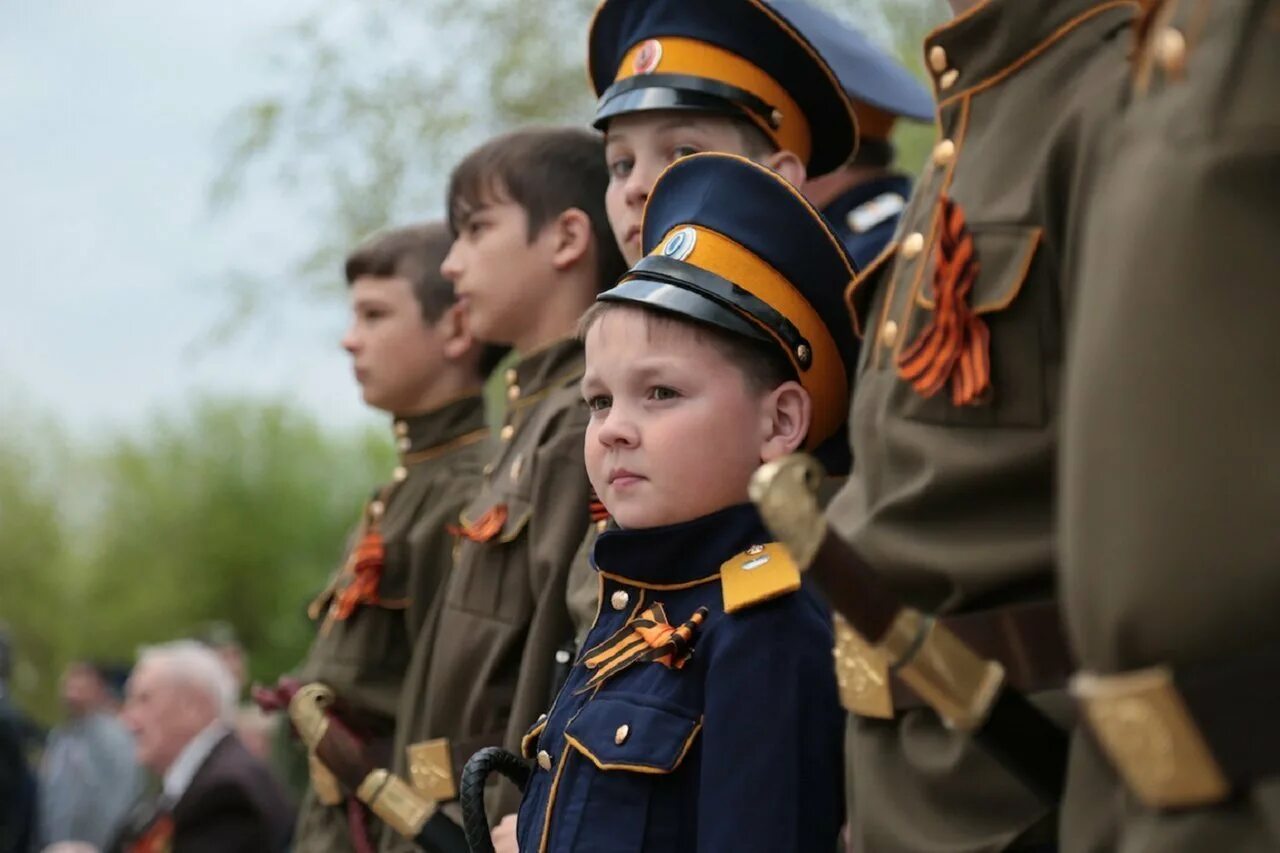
[(532, 250)]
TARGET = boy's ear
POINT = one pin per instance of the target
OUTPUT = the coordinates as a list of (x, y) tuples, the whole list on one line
[(571, 235), (788, 165), (455, 332), (787, 412)]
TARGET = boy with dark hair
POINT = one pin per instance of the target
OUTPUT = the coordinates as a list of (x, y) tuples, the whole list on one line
[(532, 251), (415, 358), (708, 671), (676, 78)]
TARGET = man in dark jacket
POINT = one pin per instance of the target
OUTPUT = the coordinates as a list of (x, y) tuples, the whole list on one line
[(215, 796)]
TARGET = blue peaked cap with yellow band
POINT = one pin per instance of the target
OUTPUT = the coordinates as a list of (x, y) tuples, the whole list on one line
[(732, 244), (729, 57), (866, 72)]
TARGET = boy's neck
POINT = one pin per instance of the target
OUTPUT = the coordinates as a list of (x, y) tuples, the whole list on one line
[(572, 294), (448, 388)]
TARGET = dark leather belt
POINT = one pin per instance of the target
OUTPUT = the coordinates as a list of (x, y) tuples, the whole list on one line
[(1027, 639), (1188, 737)]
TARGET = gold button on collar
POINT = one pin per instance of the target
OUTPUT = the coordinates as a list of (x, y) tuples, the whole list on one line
[(948, 79), (400, 473), (938, 59), (620, 599), (621, 735), (889, 333), (513, 393), (1171, 51), (544, 759), (506, 432), (944, 152), (511, 376), (401, 428), (403, 443), (912, 245)]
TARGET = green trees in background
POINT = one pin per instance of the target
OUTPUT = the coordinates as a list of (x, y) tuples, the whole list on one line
[(234, 511)]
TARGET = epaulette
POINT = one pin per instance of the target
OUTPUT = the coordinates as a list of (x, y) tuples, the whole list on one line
[(758, 574), (869, 214)]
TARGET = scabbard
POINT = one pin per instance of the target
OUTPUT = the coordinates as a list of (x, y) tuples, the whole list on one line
[(967, 692)]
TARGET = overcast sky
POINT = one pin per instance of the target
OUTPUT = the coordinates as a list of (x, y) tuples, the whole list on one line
[(111, 261)]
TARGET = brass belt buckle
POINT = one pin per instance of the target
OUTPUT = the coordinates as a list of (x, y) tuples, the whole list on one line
[(431, 769), (862, 673), (1146, 730)]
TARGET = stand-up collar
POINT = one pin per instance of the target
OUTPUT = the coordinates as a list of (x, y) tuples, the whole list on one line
[(996, 35), (545, 369), (440, 426), (684, 553)]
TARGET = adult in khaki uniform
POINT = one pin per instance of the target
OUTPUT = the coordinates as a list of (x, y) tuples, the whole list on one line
[(1170, 492), (533, 250), (414, 358), (953, 421)]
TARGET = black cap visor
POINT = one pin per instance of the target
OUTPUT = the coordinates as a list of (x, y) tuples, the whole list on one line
[(684, 92), (681, 288)]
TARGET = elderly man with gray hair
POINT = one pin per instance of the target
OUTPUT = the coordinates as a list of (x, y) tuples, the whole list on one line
[(180, 705)]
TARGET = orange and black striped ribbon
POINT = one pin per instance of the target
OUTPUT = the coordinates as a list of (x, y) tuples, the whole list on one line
[(648, 637), (365, 563), (157, 838), (955, 347), (599, 512), (483, 528)]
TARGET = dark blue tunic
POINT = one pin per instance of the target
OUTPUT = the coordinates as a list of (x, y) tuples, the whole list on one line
[(740, 749)]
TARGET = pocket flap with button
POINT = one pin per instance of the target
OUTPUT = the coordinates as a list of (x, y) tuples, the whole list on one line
[(618, 734), (1004, 254)]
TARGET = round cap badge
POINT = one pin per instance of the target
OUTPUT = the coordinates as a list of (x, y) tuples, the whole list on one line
[(647, 57), (680, 244)]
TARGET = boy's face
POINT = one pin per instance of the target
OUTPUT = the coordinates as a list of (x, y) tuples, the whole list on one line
[(395, 353), (494, 267), (639, 146), (675, 432)]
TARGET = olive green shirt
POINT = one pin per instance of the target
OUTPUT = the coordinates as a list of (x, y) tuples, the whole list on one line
[(487, 674), (1170, 505), (954, 504), (364, 657)]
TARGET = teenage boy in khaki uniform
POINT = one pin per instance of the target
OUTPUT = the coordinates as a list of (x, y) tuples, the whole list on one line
[(954, 417), (415, 358), (532, 250), (1170, 491)]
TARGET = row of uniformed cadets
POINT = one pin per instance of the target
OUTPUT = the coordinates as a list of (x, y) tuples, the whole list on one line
[(1087, 153)]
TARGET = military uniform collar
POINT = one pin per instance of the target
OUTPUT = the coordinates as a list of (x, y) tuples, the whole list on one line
[(550, 367), (995, 36), (443, 425), (893, 183), (682, 554)]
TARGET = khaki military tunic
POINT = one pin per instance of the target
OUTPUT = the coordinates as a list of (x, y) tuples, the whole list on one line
[(583, 590), (953, 503), (364, 657), (487, 674), (1171, 429)]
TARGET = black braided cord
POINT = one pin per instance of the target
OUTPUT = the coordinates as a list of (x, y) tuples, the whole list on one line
[(475, 823)]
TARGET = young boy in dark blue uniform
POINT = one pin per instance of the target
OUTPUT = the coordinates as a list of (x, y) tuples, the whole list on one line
[(702, 714)]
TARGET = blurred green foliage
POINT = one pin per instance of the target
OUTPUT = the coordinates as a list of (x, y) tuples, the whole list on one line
[(234, 511)]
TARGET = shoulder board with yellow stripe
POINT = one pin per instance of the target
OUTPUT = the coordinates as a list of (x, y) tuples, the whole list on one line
[(760, 573)]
